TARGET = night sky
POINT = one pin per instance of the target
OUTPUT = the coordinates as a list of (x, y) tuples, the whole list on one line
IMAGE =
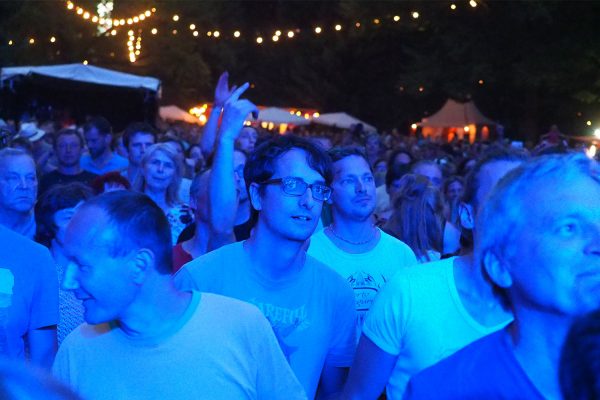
[(527, 64)]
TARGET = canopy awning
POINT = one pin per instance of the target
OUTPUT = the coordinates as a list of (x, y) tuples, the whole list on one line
[(280, 116), (341, 120), (84, 73)]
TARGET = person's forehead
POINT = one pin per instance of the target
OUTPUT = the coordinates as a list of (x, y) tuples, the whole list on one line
[(17, 163), (82, 234), (160, 155), (352, 164), (68, 137), (575, 195), (428, 170), (142, 137), (294, 162)]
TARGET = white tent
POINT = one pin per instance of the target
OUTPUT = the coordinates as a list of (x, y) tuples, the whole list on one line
[(174, 113), (84, 73), (280, 116), (341, 120), (455, 114)]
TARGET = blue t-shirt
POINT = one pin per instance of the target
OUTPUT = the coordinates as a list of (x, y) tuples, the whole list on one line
[(485, 369), (311, 313)]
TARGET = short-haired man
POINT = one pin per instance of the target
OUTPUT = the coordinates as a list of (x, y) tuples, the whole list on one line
[(138, 136), (544, 261), (101, 159), (68, 147), (352, 245), (310, 307), (18, 191), (146, 339), (430, 170), (427, 313)]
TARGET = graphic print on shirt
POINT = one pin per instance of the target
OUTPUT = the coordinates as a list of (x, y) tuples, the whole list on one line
[(365, 288), (7, 282), (284, 322)]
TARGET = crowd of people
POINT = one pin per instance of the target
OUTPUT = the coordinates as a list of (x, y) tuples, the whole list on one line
[(232, 262)]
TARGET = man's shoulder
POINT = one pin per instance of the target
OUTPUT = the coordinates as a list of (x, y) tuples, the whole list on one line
[(215, 257), (13, 243), (326, 275), (427, 274)]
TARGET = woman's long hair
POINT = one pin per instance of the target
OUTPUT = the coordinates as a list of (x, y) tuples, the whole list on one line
[(418, 217), (172, 195)]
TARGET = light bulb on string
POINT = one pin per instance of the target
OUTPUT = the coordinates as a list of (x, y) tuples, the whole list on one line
[(236, 34), (259, 40)]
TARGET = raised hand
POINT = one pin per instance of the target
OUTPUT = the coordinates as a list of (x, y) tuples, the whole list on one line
[(235, 112), (223, 91)]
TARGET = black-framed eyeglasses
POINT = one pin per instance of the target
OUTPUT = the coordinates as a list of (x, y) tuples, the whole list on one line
[(297, 187)]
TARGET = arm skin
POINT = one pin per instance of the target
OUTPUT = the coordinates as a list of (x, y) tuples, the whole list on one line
[(370, 371), (222, 190), (222, 93), (42, 346)]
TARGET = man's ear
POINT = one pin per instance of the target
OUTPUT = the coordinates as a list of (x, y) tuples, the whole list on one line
[(142, 263), (497, 269), (254, 195), (467, 215)]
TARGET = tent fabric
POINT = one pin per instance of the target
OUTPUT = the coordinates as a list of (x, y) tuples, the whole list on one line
[(341, 120), (454, 113), (84, 73), (280, 116), (174, 113)]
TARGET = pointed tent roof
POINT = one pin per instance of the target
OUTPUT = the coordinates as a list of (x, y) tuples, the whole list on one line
[(454, 113)]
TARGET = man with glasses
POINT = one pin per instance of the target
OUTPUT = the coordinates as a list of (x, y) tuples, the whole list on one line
[(309, 306)]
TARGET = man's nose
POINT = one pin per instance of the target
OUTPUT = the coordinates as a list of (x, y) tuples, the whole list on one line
[(70, 277)]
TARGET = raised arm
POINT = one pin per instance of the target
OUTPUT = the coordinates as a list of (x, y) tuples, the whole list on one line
[(222, 93), (222, 188)]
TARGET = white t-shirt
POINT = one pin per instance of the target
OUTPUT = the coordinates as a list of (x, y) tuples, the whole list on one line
[(366, 272), (220, 349), (420, 318)]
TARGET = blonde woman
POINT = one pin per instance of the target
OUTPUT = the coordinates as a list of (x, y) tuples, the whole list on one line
[(160, 177)]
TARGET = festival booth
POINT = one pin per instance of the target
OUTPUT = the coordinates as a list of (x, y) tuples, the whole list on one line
[(273, 117), (454, 119), (78, 90), (341, 120)]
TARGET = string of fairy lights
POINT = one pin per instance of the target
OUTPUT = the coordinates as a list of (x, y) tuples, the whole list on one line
[(109, 25)]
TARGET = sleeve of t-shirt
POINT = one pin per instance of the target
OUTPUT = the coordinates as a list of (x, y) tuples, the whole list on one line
[(343, 343), (275, 379), (385, 321), (44, 306), (408, 256)]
